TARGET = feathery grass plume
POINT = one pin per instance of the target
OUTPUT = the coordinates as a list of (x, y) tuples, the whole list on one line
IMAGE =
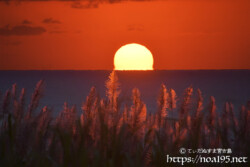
[(15, 109), (113, 90), (199, 107), (6, 109), (147, 146), (181, 134), (43, 121), (90, 106), (36, 96), (172, 99), (18, 103), (6, 103), (136, 99), (225, 115), (225, 124), (138, 113), (21, 103), (67, 118), (92, 116), (234, 128), (103, 115), (243, 122), (162, 106), (90, 113), (59, 119), (13, 91), (143, 115), (234, 122), (103, 128), (195, 123), (198, 112), (185, 107), (242, 138), (212, 114), (211, 123), (150, 121), (73, 118), (189, 123), (177, 129), (82, 120), (125, 116), (186, 102)]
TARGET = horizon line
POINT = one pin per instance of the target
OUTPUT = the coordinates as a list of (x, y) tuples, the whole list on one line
[(122, 70)]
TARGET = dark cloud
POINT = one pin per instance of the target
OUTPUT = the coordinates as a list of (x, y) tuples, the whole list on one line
[(81, 4), (116, 1), (51, 21), (96, 1), (21, 30), (26, 22), (84, 5)]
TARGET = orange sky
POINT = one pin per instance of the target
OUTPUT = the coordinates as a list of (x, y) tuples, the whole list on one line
[(181, 34)]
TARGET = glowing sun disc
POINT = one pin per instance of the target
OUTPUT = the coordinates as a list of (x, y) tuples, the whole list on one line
[(133, 57)]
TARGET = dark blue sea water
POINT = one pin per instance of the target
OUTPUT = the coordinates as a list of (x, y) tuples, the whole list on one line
[(74, 86)]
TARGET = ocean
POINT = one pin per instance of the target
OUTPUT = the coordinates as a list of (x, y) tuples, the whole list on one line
[(73, 86)]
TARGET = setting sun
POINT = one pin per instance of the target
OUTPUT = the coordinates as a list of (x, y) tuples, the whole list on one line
[(133, 57)]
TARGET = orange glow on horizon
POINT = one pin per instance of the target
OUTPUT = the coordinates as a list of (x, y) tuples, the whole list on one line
[(133, 57)]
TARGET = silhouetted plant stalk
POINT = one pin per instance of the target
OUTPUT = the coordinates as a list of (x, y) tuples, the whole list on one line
[(113, 91), (107, 132), (138, 114), (172, 99), (35, 99), (162, 107), (6, 103)]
